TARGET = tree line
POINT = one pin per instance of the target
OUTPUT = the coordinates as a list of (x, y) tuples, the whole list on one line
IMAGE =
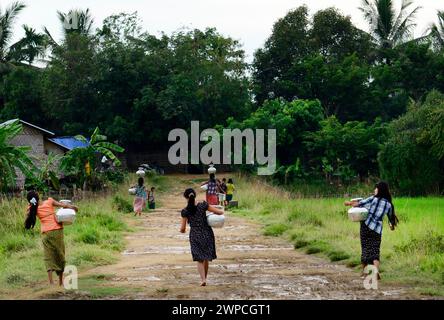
[(347, 104)]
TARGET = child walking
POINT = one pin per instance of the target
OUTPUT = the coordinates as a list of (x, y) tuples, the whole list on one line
[(151, 199), (230, 190)]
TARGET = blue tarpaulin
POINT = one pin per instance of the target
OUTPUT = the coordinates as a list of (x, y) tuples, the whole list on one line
[(69, 142)]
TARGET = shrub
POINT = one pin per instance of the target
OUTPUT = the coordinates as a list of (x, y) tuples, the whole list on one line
[(17, 242), (338, 255), (276, 229), (122, 205)]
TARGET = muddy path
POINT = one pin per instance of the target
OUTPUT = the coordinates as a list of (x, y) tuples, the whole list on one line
[(157, 264)]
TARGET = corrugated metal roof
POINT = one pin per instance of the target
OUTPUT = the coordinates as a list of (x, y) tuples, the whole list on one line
[(28, 124), (69, 142)]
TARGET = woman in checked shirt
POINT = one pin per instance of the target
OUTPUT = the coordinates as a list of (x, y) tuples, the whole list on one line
[(378, 205)]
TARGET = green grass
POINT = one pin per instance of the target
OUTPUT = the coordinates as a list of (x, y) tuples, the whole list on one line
[(412, 255), (94, 239)]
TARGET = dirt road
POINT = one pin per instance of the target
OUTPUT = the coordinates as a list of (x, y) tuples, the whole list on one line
[(157, 264)]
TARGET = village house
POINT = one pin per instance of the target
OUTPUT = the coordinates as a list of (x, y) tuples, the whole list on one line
[(42, 143)]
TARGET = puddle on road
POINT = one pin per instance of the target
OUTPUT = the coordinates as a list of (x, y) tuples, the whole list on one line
[(258, 247), (184, 250), (133, 279), (158, 250), (239, 227), (165, 267)]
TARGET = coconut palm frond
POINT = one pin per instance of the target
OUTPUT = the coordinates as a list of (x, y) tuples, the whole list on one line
[(388, 28), (7, 19)]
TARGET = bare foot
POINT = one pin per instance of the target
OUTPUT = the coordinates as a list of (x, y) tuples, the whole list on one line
[(203, 284)]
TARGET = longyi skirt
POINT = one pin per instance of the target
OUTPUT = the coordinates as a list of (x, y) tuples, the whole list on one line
[(54, 250), (212, 199), (370, 244), (139, 204)]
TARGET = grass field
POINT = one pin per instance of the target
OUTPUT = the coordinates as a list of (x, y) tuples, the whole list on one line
[(96, 238), (412, 255)]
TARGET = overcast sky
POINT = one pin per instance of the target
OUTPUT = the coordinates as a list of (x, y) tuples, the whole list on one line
[(249, 21)]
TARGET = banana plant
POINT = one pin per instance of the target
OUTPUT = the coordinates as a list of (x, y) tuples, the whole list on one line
[(47, 174), (13, 158), (98, 144), (74, 162)]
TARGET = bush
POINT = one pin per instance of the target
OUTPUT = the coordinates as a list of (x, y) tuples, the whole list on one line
[(17, 242), (338, 255), (122, 205), (412, 160), (276, 229)]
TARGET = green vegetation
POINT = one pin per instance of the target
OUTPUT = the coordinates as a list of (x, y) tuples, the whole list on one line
[(333, 92), (94, 239), (412, 158), (12, 157), (74, 162), (412, 255)]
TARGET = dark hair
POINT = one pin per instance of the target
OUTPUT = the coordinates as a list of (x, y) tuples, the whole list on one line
[(384, 192), (230, 180), (224, 179), (152, 188), (140, 182), (212, 177), (33, 200), (190, 194)]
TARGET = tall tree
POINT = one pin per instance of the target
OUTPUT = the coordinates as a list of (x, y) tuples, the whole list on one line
[(322, 57), (437, 32), (75, 21), (7, 18), (30, 47), (387, 27)]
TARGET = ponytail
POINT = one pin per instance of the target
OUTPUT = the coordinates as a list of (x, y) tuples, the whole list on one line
[(190, 194), (33, 200)]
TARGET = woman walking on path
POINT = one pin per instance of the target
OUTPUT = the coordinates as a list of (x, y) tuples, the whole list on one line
[(378, 205), (140, 199), (203, 244), (213, 188), (52, 232)]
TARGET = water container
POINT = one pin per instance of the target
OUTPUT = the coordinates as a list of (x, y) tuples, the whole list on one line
[(357, 214), (211, 169), (65, 216), (215, 220), (140, 173), (132, 191), (204, 187)]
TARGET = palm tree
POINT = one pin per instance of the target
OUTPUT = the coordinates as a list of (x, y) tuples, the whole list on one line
[(387, 28), (31, 46), (74, 22), (79, 160), (13, 157), (436, 32), (7, 18)]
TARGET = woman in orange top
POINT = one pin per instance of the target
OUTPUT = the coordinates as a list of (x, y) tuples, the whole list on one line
[(52, 232)]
